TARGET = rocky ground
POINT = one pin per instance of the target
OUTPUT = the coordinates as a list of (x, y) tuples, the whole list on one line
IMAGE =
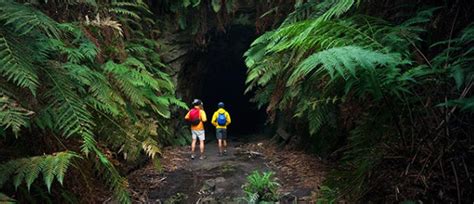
[(178, 179)]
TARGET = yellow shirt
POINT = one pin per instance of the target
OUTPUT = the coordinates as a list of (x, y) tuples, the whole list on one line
[(214, 118), (202, 116)]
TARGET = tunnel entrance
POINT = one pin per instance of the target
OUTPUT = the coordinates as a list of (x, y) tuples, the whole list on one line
[(218, 73)]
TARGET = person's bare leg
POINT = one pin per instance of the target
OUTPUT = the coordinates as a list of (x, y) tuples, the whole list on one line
[(225, 146), (219, 142), (201, 147), (193, 147)]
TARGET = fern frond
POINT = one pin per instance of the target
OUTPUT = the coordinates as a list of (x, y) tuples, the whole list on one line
[(28, 169), (127, 7), (457, 55), (92, 3), (139, 85), (302, 32), (12, 115), (317, 112), (466, 104), (125, 12), (102, 95), (343, 62), (86, 52), (70, 115), (129, 84), (151, 148), (16, 64), (337, 8), (456, 60), (114, 180), (137, 49), (72, 118), (175, 101), (356, 30), (160, 105), (25, 19)]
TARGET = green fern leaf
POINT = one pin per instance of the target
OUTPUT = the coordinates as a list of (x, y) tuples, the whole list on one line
[(28, 169), (25, 19), (35, 168), (49, 171), (16, 66), (343, 62), (70, 115), (12, 115), (117, 183), (125, 12), (216, 5)]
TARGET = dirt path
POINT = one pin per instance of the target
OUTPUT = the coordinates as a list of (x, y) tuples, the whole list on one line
[(214, 179)]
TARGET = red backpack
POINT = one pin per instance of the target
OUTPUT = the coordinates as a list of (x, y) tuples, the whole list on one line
[(194, 116)]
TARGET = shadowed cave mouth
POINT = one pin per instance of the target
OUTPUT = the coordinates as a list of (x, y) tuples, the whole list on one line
[(218, 73)]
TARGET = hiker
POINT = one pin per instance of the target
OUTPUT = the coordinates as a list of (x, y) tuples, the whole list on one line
[(196, 116), (221, 119)]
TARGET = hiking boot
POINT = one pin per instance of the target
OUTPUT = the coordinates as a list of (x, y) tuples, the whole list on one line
[(192, 156), (202, 157), (225, 152)]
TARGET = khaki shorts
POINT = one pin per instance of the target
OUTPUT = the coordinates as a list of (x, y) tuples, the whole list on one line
[(198, 134)]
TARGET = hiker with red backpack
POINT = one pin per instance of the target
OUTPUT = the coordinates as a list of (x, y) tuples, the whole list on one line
[(221, 119), (196, 116)]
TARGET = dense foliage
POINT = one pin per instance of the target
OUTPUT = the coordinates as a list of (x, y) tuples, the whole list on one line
[(78, 80), (200, 18), (384, 87), (261, 187)]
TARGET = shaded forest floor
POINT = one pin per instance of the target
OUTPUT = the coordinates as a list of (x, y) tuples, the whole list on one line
[(219, 179)]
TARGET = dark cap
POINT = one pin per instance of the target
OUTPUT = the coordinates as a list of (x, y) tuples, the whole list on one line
[(220, 105), (197, 102)]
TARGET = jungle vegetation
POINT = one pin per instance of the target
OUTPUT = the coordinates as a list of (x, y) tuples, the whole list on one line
[(381, 88), (82, 85)]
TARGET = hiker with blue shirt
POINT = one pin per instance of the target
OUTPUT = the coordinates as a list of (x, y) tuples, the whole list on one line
[(221, 119)]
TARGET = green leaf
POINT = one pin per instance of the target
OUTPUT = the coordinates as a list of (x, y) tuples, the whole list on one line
[(196, 2), (49, 171), (34, 170), (216, 5), (182, 22), (15, 65), (229, 5), (458, 75), (161, 106), (28, 169), (186, 3)]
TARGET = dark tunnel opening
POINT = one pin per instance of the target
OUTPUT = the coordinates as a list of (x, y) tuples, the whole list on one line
[(218, 73)]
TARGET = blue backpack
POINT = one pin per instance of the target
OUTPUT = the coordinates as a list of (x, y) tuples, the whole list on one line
[(221, 119)]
